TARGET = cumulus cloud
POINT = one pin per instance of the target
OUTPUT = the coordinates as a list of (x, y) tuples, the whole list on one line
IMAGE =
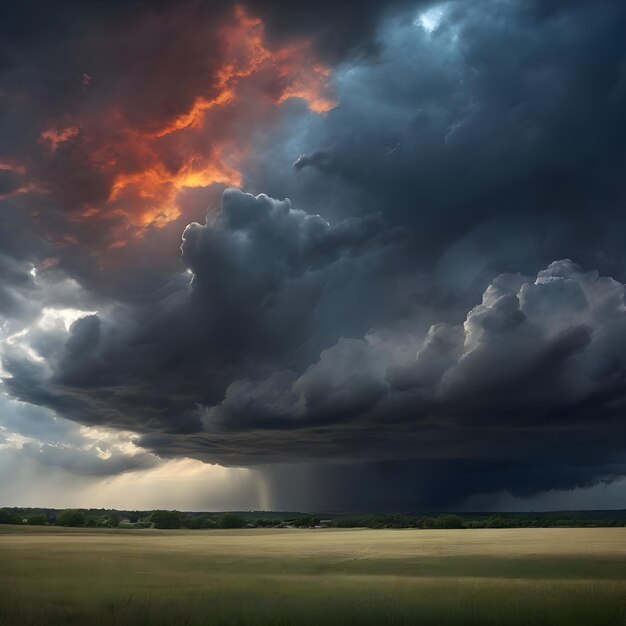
[(376, 332), (487, 133), (525, 352), (530, 379), (263, 285), (534, 377)]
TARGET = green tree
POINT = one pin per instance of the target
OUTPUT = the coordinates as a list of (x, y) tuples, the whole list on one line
[(113, 521), (167, 519), (194, 522), (36, 519), (231, 520), (9, 517), (449, 521), (71, 517), (497, 522)]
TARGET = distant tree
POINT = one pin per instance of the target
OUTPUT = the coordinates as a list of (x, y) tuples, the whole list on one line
[(194, 522), (36, 519), (231, 520), (428, 522), (448, 521), (71, 517), (167, 519), (113, 521), (306, 522), (9, 517), (497, 522)]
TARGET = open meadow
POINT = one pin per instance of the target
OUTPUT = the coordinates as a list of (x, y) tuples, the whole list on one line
[(532, 576)]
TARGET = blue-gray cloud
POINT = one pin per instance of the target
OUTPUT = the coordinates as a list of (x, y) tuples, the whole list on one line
[(401, 327)]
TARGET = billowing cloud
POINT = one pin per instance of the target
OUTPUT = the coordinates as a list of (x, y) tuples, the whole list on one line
[(125, 159), (261, 287), (399, 329), (534, 375), (491, 137), (523, 360)]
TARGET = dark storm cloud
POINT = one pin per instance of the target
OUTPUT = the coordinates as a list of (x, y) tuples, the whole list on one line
[(523, 355), (75, 100), (268, 283), (85, 153), (526, 395), (502, 123), (321, 160), (338, 28), (533, 377), (338, 344)]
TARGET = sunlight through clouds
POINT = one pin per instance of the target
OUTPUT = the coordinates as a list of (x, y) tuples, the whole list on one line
[(431, 19)]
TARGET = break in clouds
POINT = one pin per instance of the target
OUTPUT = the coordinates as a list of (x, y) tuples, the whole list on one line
[(436, 316)]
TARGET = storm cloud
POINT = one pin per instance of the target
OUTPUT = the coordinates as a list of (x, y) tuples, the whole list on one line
[(435, 314)]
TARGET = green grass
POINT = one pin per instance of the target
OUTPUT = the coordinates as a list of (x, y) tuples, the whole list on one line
[(493, 577)]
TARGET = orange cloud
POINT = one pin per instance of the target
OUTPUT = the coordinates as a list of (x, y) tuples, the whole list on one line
[(9, 166), (55, 136), (146, 196), (129, 174)]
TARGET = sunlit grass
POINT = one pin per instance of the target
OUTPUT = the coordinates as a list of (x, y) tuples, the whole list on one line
[(313, 577)]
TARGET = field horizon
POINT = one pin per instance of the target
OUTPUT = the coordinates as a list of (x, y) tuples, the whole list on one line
[(57, 575)]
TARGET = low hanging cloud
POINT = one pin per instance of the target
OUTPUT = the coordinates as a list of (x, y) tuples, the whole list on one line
[(536, 354), (264, 283), (233, 362)]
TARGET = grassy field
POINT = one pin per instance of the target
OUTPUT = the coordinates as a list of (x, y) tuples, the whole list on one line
[(313, 577)]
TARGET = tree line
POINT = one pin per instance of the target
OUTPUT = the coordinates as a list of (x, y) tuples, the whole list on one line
[(166, 519)]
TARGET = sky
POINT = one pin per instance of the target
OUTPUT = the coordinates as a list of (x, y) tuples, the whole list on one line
[(313, 256)]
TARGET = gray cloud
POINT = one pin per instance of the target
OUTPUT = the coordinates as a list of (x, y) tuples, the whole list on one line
[(35, 435), (495, 129), (511, 389), (265, 287), (520, 398), (374, 335)]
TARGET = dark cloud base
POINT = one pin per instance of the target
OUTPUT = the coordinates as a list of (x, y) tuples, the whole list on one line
[(519, 397)]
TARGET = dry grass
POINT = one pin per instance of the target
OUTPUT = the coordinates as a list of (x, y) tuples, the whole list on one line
[(485, 576)]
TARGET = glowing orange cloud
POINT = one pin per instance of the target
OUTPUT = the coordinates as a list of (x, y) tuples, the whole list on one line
[(155, 185), (301, 75), (55, 136), (157, 188), (144, 170), (248, 55)]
